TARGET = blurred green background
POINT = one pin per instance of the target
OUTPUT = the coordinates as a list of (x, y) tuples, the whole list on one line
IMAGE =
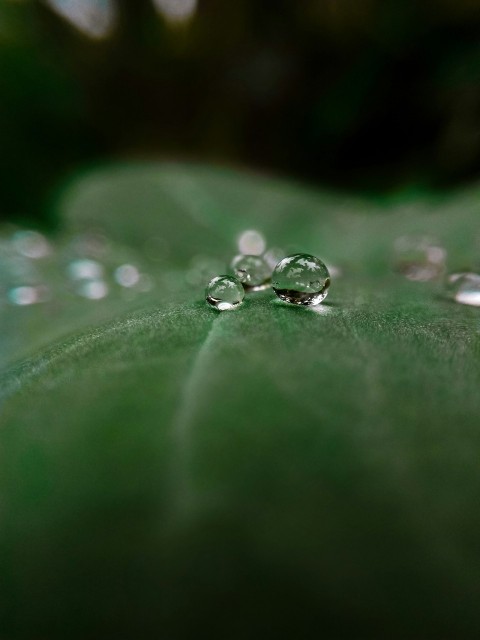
[(360, 94)]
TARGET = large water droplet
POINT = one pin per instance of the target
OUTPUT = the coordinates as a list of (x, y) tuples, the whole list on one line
[(301, 279), (224, 293)]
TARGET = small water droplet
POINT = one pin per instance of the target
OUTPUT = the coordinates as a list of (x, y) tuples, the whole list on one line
[(224, 293), (252, 271), (464, 288), (292, 279)]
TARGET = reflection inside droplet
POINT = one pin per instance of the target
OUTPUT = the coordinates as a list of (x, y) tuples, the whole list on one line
[(251, 242)]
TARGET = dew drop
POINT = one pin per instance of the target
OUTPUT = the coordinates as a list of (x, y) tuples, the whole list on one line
[(252, 271), (224, 293), (301, 279)]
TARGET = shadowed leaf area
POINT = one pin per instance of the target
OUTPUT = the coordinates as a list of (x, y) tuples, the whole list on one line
[(170, 471)]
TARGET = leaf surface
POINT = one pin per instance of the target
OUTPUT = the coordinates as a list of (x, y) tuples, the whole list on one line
[(266, 471)]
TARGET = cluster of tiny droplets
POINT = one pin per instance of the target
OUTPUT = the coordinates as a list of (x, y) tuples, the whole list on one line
[(424, 259), (299, 279), (37, 270)]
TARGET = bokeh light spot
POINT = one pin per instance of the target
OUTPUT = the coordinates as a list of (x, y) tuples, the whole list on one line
[(127, 275), (176, 10), (94, 18), (251, 242)]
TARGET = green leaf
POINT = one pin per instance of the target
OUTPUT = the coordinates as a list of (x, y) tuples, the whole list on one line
[(272, 471)]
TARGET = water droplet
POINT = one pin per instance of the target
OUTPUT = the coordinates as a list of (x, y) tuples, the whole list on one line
[(301, 279), (252, 271), (251, 243), (224, 293), (464, 288), (419, 258), (127, 275)]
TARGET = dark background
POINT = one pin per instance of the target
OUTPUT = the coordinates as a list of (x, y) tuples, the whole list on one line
[(368, 95)]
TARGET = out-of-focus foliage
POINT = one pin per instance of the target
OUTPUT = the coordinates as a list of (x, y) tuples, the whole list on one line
[(357, 93)]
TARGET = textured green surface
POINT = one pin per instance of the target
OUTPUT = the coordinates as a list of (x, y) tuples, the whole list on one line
[(268, 472)]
